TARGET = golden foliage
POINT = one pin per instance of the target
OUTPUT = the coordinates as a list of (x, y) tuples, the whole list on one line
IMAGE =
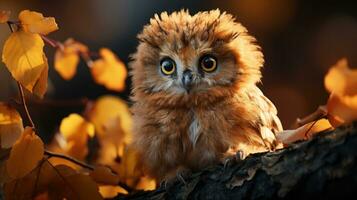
[(25, 172), (104, 175), (23, 57), (11, 125), (75, 131), (40, 86), (4, 16), (34, 22), (54, 182), (106, 109), (25, 154), (67, 59), (341, 109), (341, 82), (109, 71)]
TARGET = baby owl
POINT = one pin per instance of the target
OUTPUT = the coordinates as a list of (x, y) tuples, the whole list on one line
[(195, 95)]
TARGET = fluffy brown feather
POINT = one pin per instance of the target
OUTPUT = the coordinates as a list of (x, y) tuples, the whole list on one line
[(177, 129)]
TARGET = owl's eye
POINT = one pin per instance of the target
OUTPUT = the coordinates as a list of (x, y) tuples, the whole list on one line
[(208, 63), (167, 66)]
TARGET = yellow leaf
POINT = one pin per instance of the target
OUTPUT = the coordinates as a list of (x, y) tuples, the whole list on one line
[(40, 86), (146, 183), (66, 59), (341, 109), (104, 175), (23, 57), (303, 132), (11, 125), (75, 128), (109, 191), (25, 154), (341, 80), (109, 71), (77, 186), (34, 22), (108, 109), (127, 169), (4, 16)]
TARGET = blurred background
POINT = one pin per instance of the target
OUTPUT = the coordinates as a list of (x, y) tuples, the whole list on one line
[(300, 39)]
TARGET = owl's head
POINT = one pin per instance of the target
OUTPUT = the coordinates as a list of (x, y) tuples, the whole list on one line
[(185, 59)]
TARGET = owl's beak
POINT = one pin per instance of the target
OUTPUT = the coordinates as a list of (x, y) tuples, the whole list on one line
[(187, 79)]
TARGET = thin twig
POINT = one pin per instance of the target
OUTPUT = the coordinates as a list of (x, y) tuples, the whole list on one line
[(73, 160), (23, 100), (320, 113), (53, 43), (82, 164), (87, 59)]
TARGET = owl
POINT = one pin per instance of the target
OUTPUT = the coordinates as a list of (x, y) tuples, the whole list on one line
[(195, 95)]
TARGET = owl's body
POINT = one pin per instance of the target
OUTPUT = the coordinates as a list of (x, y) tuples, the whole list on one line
[(195, 94)]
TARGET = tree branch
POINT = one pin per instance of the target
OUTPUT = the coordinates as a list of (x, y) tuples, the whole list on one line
[(324, 167)]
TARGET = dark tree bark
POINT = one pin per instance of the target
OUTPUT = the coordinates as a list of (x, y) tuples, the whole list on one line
[(324, 167)]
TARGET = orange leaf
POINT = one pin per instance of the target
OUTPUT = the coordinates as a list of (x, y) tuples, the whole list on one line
[(25, 154), (11, 125), (104, 175), (4, 16), (34, 22), (146, 183), (109, 71), (341, 80), (109, 191), (303, 132), (341, 109), (66, 59)]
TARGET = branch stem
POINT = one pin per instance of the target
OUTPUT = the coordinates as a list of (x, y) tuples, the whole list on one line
[(23, 100), (73, 160)]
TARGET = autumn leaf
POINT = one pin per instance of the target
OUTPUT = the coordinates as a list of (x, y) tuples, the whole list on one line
[(127, 169), (66, 59), (75, 130), (25, 154), (103, 175), (109, 71), (74, 127), (105, 110), (4, 16), (11, 125), (303, 132), (74, 185), (34, 22), (341, 109), (146, 183), (40, 86), (23, 57), (110, 191), (341, 80)]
